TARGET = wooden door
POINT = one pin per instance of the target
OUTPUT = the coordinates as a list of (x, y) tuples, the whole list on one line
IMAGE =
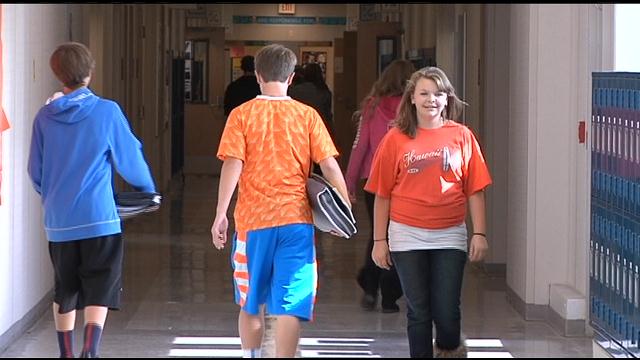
[(345, 102), (371, 35), (204, 120)]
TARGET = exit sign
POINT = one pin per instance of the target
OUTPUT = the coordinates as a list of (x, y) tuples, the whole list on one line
[(286, 8)]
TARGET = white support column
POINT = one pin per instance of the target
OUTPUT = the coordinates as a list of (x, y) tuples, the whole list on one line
[(627, 51), (552, 52)]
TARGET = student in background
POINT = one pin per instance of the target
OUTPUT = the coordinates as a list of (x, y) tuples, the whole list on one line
[(313, 91), (298, 77), (243, 88), (378, 110)]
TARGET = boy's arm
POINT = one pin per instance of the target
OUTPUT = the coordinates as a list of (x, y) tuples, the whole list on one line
[(34, 166), (332, 172), (229, 176), (128, 156)]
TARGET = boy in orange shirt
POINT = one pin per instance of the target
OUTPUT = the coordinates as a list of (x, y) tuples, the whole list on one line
[(424, 173), (268, 146)]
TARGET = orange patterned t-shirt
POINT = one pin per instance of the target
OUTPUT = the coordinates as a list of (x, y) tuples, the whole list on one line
[(276, 138)]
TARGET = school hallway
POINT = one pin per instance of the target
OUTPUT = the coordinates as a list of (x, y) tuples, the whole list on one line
[(178, 298)]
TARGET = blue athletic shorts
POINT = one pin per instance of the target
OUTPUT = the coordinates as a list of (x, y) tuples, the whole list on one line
[(277, 267)]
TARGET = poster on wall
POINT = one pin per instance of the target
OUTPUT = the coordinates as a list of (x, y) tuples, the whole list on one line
[(236, 70), (319, 57), (323, 56)]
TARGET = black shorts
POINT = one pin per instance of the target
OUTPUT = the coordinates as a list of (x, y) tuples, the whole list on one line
[(88, 272)]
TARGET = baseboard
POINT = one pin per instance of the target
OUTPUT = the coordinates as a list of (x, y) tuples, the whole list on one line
[(567, 310), (27, 321), (527, 311), (568, 328), (533, 312)]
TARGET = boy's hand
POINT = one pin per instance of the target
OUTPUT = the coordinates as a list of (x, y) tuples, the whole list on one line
[(219, 231)]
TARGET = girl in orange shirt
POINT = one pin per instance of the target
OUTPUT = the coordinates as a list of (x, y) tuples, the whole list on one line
[(426, 171)]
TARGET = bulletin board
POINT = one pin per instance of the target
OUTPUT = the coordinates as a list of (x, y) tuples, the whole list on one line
[(323, 55)]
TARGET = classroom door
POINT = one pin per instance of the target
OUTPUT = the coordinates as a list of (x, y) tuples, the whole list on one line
[(204, 91), (344, 95)]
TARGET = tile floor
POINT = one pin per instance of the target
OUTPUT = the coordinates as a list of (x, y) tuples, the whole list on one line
[(178, 299)]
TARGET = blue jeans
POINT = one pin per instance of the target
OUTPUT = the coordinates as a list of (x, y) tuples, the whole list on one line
[(432, 283)]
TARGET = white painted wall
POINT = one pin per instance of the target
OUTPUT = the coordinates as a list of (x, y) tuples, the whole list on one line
[(553, 50), (627, 51), (25, 269), (520, 240), (554, 89)]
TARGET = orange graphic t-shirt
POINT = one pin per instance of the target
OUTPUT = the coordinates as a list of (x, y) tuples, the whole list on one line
[(430, 177), (276, 138)]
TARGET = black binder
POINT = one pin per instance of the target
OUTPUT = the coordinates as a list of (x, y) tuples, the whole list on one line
[(330, 212)]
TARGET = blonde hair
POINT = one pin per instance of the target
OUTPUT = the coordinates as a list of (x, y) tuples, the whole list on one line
[(407, 119)]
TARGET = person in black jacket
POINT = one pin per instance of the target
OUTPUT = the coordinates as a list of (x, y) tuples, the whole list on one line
[(313, 91), (243, 88)]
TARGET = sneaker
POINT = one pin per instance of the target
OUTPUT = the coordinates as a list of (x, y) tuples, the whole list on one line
[(393, 308), (368, 302), (86, 354)]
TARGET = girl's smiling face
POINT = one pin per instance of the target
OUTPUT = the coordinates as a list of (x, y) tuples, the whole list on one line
[(428, 99)]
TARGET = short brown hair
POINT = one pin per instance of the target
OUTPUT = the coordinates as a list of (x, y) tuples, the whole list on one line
[(71, 63), (275, 63)]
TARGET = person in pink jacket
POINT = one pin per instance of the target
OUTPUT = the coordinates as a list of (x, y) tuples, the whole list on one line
[(378, 110)]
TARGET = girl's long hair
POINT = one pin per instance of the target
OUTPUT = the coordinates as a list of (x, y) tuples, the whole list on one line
[(407, 119), (391, 83)]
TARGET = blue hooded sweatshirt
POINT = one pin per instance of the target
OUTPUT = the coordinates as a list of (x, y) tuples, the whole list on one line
[(77, 141)]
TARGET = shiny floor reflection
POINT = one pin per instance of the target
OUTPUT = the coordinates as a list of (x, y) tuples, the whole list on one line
[(178, 298)]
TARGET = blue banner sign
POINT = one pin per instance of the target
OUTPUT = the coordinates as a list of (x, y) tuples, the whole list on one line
[(332, 20), (290, 20), (238, 19), (286, 20)]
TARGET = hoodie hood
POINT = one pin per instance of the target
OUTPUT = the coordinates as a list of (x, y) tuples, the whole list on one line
[(386, 107), (73, 107)]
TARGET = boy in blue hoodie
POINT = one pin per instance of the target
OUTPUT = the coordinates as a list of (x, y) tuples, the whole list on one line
[(78, 139)]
